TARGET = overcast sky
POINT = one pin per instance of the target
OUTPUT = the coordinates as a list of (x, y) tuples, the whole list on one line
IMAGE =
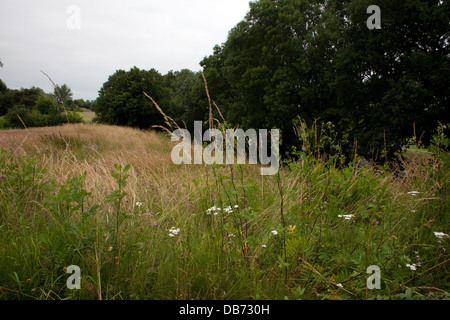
[(81, 43)]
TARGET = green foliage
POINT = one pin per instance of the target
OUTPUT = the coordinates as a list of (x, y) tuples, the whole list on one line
[(116, 196), (16, 113), (226, 247), (317, 59), (63, 95), (81, 103), (121, 100), (36, 109), (70, 199), (22, 97), (45, 112), (3, 87), (184, 106), (18, 116), (47, 105), (21, 184), (74, 117)]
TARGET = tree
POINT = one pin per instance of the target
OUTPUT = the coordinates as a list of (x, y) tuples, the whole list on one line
[(318, 60), (19, 115), (24, 97), (81, 103), (46, 112), (63, 92), (263, 75), (121, 100), (47, 105), (3, 87), (183, 100)]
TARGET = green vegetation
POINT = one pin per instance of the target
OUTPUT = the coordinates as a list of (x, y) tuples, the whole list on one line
[(311, 59), (348, 100), (26, 108), (318, 60), (2, 122), (121, 100), (144, 228)]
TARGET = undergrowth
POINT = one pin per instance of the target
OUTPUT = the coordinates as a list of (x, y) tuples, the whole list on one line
[(223, 232)]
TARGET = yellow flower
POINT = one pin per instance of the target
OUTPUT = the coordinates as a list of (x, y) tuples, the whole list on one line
[(291, 229)]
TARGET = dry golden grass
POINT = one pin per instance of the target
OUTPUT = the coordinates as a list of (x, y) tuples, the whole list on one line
[(69, 150)]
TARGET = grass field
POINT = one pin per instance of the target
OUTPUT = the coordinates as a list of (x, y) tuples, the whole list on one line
[(87, 115), (109, 200)]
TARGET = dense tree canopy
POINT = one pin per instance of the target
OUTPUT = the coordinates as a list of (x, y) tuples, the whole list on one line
[(46, 105), (121, 100), (32, 108), (23, 97), (318, 59), (185, 104), (180, 94), (3, 87)]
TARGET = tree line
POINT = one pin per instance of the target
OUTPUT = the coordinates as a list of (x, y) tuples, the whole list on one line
[(313, 61), (32, 107)]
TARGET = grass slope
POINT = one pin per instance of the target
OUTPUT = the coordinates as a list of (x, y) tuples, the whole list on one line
[(109, 200)]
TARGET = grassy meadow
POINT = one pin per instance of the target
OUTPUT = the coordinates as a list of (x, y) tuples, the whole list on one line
[(109, 200)]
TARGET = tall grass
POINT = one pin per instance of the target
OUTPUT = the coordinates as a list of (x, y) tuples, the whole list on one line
[(105, 198)]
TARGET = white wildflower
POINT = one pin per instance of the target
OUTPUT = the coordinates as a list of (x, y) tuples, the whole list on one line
[(274, 232), (228, 210), (264, 246), (213, 210), (173, 232), (412, 266), (236, 206), (138, 204), (440, 235), (346, 216), (339, 285)]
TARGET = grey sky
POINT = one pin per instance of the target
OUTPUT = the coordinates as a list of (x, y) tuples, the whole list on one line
[(166, 35)]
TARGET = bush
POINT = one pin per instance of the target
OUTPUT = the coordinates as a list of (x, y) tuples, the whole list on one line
[(2, 123), (74, 117), (46, 105), (34, 118), (18, 114)]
